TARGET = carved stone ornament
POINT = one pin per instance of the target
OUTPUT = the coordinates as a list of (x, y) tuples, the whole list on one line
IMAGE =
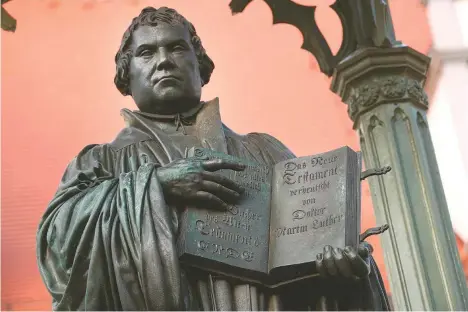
[(417, 93), (383, 90), (394, 87)]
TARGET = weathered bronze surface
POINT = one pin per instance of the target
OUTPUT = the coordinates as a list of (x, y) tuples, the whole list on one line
[(310, 201), (237, 236), (107, 240)]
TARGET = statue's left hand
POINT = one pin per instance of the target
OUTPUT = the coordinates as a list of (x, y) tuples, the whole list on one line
[(346, 263)]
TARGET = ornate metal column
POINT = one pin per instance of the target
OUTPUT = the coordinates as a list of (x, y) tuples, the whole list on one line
[(382, 81)]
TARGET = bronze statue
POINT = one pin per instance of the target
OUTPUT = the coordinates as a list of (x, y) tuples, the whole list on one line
[(107, 239)]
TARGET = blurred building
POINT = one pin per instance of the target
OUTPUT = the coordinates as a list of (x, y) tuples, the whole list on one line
[(448, 113)]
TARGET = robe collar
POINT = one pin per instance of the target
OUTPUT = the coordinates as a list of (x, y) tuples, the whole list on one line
[(180, 119), (206, 119)]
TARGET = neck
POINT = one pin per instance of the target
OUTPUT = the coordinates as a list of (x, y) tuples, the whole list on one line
[(185, 113), (173, 107)]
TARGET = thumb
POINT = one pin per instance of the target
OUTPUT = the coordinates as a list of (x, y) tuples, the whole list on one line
[(365, 250)]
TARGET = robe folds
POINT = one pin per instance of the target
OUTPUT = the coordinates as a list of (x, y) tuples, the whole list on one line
[(107, 240)]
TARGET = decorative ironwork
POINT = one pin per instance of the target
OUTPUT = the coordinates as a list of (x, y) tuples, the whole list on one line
[(8, 21), (366, 23)]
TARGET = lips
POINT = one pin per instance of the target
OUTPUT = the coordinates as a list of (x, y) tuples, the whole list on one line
[(166, 78)]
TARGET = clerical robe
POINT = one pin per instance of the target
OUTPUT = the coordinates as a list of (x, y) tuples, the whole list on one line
[(107, 240)]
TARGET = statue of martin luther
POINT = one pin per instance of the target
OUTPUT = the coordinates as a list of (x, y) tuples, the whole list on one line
[(107, 240)]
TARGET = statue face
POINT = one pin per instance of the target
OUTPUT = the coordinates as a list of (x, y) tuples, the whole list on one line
[(164, 70)]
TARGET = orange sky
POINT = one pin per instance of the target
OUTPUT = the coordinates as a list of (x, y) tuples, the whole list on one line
[(58, 96)]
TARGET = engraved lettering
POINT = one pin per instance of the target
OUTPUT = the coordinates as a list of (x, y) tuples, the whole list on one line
[(327, 222), (308, 201), (232, 253), (247, 255), (291, 168), (298, 214), (252, 177), (211, 218), (234, 222), (201, 227), (319, 187), (308, 177), (218, 233), (312, 212), (250, 216), (283, 231), (233, 209), (319, 160), (217, 249), (202, 245), (289, 172)]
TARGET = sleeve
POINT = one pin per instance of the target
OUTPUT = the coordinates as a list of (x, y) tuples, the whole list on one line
[(107, 243), (367, 294), (374, 294)]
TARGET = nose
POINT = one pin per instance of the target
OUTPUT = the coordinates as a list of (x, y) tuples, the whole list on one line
[(164, 60)]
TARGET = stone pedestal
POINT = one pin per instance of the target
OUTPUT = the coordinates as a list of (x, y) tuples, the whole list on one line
[(383, 88)]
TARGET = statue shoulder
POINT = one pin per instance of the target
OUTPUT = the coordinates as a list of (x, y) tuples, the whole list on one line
[(128, 136), (96, 152), (272, 144), (90, 154), (259, 136), (103, 155), (93, 162), (270, 147)]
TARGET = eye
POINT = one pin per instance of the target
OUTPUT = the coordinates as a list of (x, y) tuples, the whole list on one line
[(145, 52), (179, 47)]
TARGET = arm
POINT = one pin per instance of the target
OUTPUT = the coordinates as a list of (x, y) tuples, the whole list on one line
[(90, 249), (108, 242)]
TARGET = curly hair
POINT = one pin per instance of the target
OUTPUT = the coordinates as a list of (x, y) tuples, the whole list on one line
[(151, 16)]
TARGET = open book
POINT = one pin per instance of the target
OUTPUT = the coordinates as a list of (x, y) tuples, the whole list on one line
[(287, 215)]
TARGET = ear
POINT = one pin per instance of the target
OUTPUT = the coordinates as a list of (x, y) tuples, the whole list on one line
[(202, 82)]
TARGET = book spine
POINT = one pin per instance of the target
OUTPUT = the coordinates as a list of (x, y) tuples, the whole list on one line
[(352, 198), (272, 200), (357, 180)]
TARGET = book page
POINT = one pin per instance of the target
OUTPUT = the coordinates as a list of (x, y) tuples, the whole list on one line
[(308, 207), (237, 237)]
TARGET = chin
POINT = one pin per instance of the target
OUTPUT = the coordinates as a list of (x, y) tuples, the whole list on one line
[(168, 94), (171, 97)]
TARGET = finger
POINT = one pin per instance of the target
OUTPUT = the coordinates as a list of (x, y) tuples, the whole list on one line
[(322, 304), (220, 191), (211, 200), (359, 266), (325, 303), (329, 261), (218, 164), (342, 263), (365, 250), (210, 176), (321, 269)]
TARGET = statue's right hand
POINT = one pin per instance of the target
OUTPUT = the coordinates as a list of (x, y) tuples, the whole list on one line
[(192, 181)]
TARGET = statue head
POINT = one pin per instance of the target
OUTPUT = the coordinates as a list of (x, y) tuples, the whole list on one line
[(161, 62)]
